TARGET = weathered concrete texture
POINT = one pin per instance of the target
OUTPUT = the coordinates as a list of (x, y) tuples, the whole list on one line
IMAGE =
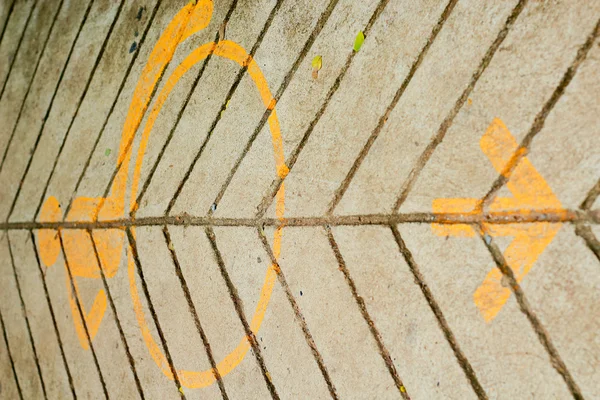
[(15, 27), (85, 374), (417, 345), (17, 330), (502, 352), (64, 107), (428, 99), (563, 288), (355, 283), (8, 384), (340, 333), (48, 344), (515, 86), (352, 114)]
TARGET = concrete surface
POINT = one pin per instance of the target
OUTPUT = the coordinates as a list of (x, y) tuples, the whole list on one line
[(418, 219)]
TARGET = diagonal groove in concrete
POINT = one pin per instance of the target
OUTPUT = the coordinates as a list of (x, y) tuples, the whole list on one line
[(341, 190), (51, 308), (272, 192), (24, 312), (298, 313), (33, 75), (383, 351), (116, 316), (163, 341), (437, 311), (237, 303), (109, 114), (542, 334), (445, 125), (193, 312), (82, 316)]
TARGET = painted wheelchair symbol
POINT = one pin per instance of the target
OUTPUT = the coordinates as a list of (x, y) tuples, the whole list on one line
[(77, 243)]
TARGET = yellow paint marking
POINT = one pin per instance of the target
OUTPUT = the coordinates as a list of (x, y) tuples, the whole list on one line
[(109, 242), (530, 192)]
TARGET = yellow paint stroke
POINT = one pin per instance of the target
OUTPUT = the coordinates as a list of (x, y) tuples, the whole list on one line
[(530, 193), (109, 242)]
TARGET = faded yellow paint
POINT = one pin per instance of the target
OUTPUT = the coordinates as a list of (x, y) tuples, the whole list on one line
[(109, 242), (531, 193)]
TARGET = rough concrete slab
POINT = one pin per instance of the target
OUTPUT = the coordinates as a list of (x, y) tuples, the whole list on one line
[(327, 157), (54, 373), (166, 293), (86, 379), (252, 180), (217, 314), (14, 29), (98, 100), (13, 316), (428, 99), (107, 343), (24, 67), (8, 384), (65, 104), (417, 345), (154, 383), (293, 368), (453, 268), (571, 169), (341, 334), (42, 88), (518, 81), (283, 42), (562, 288)]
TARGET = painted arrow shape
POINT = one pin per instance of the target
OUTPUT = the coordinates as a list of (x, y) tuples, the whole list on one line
[(530, 193)]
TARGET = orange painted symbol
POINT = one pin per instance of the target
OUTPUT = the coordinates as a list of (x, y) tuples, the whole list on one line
[(530, 193), (77, 243)]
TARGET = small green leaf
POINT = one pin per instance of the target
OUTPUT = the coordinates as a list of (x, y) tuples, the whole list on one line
[(317, 63), (107, 152), (358, 42)]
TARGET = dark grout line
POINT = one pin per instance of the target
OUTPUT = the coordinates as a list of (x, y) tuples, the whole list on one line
[(180, 113), (497, 218), (58, 83), (138, 264), (10, 11), (112, 108), (591, 197), (80, 101), (266, 201), (12, 62), (12, 363), (540, 119), (298, 316), (82, 315), (54, 324), (194, 313), (24, 312), (536, 324), (116, 316), (437, 311), (239, 308), (341, 190), (445, 125), (585, 232), (230, 94), (383, 351), (33, 75), (286, 81)]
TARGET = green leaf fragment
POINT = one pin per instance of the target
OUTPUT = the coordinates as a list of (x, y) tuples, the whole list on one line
[(358, 42), (317, 63), (107, 152)]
